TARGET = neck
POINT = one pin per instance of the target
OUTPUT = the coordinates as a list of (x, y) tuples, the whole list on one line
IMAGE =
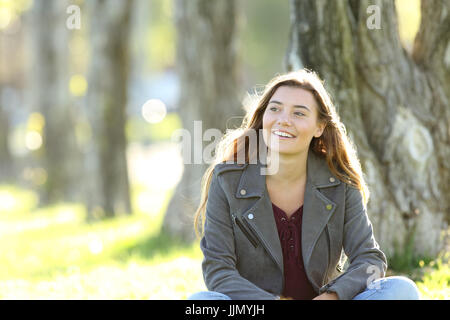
[(290, 169)]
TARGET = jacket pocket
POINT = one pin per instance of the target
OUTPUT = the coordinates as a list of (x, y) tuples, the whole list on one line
[(245, 231)]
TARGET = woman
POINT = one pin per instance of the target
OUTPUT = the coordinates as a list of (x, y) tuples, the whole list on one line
[(282, 233)]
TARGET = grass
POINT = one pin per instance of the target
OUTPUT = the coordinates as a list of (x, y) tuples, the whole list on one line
[(51, 253), (435, 278)]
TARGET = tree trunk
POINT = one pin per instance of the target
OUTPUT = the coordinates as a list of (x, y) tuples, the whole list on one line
[(107, 180), (209, 82), (6, 164), (394, 106), (50, 96)]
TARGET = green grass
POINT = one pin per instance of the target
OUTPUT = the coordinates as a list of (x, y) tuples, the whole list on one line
[(51, 253), (435, 278)]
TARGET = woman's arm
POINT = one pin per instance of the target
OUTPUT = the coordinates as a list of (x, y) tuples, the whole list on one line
[(219, 263), (367, 261)]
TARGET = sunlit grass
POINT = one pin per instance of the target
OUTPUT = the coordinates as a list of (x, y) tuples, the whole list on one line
[(173, 279), (435, 278), (52, 253), (15, 201)]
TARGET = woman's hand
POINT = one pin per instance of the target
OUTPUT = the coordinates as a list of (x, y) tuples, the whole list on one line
[(327, 296)]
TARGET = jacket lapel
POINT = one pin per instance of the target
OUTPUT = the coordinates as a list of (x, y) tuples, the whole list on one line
[(260, 215), (317, 208)]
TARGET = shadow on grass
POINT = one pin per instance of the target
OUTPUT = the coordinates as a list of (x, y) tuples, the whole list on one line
[(161, 245)]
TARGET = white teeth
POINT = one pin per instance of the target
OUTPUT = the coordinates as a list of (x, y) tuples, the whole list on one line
[(283, 134)]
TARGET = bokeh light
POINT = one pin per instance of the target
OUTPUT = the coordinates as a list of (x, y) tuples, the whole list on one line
[(33, 140), (6, 17), (95, 246), (37, 176), (78, 85), (10, 11), (36, 122), (154, 110), (7, 200)]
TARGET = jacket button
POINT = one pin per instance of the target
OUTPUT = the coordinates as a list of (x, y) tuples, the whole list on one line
[(243, 192), (250, 216), (329, 206), (332, 179)]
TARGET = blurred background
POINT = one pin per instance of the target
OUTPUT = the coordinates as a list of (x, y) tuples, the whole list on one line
[(95, 199)]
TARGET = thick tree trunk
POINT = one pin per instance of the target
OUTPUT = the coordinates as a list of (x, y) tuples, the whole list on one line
[(107, 181), (50, 96), (394, 106), (207, 66)]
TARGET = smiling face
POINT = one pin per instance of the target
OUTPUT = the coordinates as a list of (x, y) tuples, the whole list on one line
[(293, 111)]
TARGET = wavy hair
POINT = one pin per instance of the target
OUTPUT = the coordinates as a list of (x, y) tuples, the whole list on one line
[(334, 145)]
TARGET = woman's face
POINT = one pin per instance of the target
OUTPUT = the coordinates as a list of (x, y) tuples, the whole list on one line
[(294, 111)]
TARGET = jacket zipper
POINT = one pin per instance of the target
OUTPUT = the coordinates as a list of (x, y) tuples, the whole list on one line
[(273, 258), (254, 242), (245, 231), (329, 253)]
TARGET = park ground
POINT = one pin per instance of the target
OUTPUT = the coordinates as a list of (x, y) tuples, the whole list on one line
[(52, 253)]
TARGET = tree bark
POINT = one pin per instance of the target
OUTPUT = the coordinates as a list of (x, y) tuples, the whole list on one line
[(50, 96), (207, 66), (6, 163), (394, 106), (107, 181), (11, 79)]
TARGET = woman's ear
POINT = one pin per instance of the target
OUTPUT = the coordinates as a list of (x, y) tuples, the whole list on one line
[(319, 130)]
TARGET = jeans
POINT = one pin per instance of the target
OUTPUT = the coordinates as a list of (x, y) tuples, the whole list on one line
[(388, 288)]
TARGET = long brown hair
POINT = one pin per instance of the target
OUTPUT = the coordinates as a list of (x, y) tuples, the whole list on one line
[(334, 145)]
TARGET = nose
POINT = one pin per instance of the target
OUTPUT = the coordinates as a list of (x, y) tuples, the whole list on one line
[(284, 121)]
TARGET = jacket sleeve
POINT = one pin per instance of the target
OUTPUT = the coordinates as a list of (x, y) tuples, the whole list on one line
[(366, 261), (218, 247)]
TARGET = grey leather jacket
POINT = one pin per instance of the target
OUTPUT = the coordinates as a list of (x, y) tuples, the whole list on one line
[(242, 251)]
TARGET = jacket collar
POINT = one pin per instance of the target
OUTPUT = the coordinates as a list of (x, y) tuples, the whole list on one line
[(254, 182)]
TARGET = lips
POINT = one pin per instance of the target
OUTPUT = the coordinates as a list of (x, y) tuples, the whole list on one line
[(283, 134)]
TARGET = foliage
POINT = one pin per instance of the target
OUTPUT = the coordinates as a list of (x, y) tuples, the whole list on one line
[(404, 258), (434, 278)]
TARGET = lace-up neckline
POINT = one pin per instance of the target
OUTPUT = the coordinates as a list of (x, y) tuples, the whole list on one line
[(296, 283)]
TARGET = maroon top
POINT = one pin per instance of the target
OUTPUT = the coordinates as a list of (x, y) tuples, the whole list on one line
[(296, 284)]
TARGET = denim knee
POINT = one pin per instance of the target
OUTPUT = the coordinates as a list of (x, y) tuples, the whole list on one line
[(208, 295), (404, 288), (390, 288)]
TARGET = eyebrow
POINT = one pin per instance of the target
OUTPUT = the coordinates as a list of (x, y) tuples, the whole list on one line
[(295, 106)]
